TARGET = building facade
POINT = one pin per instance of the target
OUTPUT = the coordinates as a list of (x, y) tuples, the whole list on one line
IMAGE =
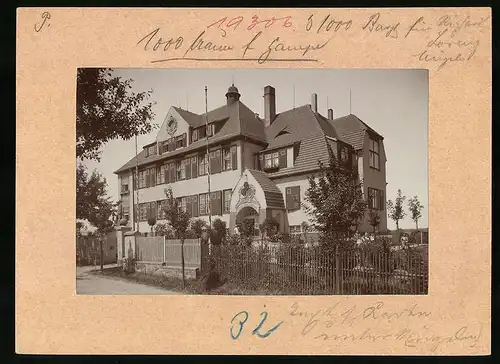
[(258, 167)]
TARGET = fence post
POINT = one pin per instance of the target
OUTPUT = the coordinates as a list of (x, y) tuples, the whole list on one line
[(337, 270), (164, 248)]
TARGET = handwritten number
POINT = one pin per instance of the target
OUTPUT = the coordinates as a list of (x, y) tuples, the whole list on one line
[(309, 23), (240, 324), (45, 17), (269, 332)]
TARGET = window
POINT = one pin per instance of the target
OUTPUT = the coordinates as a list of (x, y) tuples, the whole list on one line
[(204, 204), (160, 212), (211, 130), (203, 165), (294, 229), (181, 170), (374, 154), (195, 135), (293, 198), (146, 210), (375, 199), (142, 179), (125, 212), (227, 201), (202, 132), (160, 175), (183, 204), (272, 160), (344, 154), (227, 159), (179, 142)]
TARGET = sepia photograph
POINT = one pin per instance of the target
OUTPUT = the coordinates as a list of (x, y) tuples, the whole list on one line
[(252, 181)]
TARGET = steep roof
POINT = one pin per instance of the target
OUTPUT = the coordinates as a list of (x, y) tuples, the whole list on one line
[(311, 151), (240, 121), (352, 130), (272, 194)]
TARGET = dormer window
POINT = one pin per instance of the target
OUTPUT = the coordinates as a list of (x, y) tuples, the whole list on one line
[(272, 160), (151, 150), (211, 130), (194, 135)]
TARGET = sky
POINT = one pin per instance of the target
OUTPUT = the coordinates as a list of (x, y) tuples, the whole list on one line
[(393, 102)]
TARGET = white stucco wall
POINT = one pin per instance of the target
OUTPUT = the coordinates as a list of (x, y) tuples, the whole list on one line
[(298, 216)]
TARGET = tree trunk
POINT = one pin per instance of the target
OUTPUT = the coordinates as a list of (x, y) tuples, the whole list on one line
[(397, 225), (182, 262)]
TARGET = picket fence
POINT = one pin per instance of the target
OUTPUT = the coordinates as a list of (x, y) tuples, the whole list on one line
[(315, 271), (157, 249)]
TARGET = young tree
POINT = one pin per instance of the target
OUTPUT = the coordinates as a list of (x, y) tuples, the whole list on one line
[(92, 202), (106, 109), (151, 223), (415, 208), (335, 200), (305, 229), (197, 226), (396, 210), (374, 219), (179, 221)]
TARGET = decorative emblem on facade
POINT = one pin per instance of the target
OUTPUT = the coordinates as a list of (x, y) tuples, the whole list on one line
[(247, 197), (171, 125)]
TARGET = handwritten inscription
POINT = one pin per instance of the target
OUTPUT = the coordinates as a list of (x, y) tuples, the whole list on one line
[(238, 321), (375, 323), (45, 18), (225, 23), (445, 40)]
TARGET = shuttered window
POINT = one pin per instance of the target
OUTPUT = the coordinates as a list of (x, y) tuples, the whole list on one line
[(216, 203), (282, 158), (293, 198)]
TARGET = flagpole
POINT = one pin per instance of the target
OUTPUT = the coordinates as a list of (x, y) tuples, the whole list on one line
[(137, 183), (208, 161), (350, 103)]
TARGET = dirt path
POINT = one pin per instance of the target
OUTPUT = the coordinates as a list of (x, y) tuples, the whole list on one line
[(88, 283)]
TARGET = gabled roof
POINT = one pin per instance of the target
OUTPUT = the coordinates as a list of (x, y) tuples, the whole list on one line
[(272, 194), (240, 121), (352, 130), (311, 151)]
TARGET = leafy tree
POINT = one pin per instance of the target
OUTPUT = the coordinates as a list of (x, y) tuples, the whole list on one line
[(415, 208), (106, 109), (163, 229), (335, 200), (179, 221), (246, 228), (197, 225), (395, 208), (218, 234), (92, 202), (270, 226), (374, 219)]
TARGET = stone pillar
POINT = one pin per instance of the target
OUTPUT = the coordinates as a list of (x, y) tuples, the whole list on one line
[(120, 242)]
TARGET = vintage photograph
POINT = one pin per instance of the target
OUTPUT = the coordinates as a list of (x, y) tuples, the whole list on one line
[(252, 181)]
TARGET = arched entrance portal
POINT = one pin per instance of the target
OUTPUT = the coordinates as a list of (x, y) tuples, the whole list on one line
[(248, 215)]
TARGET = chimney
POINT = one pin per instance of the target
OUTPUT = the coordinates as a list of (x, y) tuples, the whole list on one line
[(314, 103), (269, 105), (330, 114)]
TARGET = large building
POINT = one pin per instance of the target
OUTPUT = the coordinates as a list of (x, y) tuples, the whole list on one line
[(258, 166)]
